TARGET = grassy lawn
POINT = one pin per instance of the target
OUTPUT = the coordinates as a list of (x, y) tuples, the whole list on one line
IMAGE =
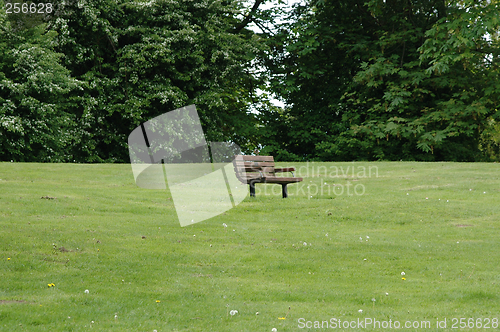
[(321, 254)]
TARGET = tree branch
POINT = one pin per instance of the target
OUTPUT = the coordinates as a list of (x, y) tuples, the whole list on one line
[(263, 28), (249, 17)]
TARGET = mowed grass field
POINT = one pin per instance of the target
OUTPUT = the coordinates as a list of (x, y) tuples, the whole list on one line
[(284, 264)]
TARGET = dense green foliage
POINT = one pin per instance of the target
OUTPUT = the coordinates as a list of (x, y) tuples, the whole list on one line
[(365, 80), (132, 61), (414, 80), (34, 123)]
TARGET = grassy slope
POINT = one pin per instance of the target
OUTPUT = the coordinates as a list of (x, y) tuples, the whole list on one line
[(259, 263)]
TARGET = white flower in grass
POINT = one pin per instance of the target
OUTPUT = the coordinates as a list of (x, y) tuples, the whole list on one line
[(402, 273), (86, 291), (360, 310), (274, 330), (233, 312), (224, 224), (305, 243)]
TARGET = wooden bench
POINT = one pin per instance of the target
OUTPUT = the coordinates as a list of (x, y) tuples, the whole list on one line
[(260, 169)]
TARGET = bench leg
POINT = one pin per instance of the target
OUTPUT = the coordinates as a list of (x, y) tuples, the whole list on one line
[(283, 191), (252, 189)]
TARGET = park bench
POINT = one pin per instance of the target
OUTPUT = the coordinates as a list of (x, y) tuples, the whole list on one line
[(260, 169)]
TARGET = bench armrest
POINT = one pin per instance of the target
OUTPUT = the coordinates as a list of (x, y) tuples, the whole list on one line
[(285, 169)]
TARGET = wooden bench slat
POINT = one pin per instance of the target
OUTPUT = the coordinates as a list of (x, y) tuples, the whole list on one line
[(256, 158), (247, 169), (258, 164)]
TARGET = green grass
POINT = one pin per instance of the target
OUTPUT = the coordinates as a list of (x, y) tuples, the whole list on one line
[(437, 222)]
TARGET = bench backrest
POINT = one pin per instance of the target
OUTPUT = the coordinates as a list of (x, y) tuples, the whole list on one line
[(248, 168)]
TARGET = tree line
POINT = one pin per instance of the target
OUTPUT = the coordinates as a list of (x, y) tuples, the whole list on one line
[(360, 80)]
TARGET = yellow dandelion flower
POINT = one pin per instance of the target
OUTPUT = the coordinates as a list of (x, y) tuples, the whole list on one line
[(403, 278), (8, 259), (157, 301), (281, 317)]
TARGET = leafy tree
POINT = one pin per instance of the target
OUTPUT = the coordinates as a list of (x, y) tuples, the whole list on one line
[(312, 62), (388, 79), (34, 125), (439, 102), (463, 52), (73, 89), (143, 59)]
